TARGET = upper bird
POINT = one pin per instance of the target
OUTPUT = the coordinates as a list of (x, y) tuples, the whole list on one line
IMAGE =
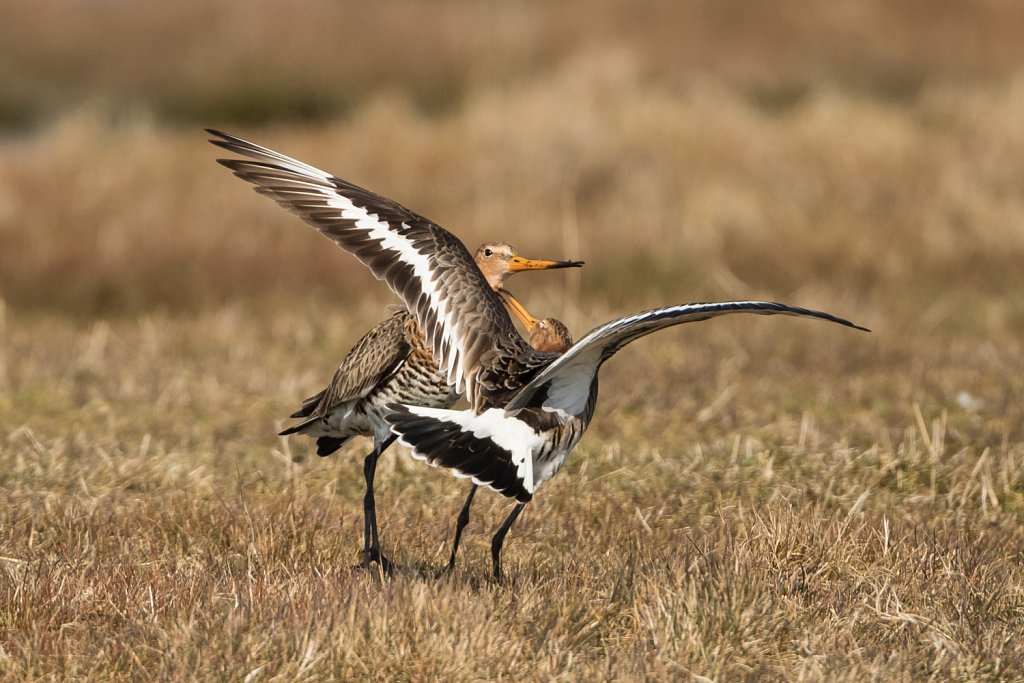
[(375, 364), (529, 408), (392, 364)]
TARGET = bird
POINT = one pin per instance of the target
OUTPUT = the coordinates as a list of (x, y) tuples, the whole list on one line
[(392, 364), (548, 335), (528, 408)]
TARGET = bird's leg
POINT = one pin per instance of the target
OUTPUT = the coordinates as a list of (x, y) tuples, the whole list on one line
[(459, 526), (371, 541), (369, 508), (499, 538)]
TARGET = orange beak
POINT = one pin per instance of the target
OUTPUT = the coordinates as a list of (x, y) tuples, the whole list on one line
[(518, 264), (518, 309)]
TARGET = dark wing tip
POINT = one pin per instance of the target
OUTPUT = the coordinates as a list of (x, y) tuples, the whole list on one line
[(444, 443), (844, 321), (326, 445), (782, 308), (222, 140), (219, 134), (235, 144)]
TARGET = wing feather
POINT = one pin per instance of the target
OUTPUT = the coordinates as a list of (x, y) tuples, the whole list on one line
[(424, 264), (564, 385), (372, 361)]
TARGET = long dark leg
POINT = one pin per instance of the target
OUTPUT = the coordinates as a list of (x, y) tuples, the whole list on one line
[(499, 538), (371, 541), (459, 526)]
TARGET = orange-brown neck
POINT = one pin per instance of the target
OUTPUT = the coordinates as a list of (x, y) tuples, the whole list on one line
[(550, 335)]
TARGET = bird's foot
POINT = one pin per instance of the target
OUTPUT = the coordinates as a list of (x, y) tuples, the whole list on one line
[(445, 572), (375, 561)]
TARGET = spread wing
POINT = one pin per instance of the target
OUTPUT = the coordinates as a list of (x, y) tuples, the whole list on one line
[(424, 264), (565, 384)]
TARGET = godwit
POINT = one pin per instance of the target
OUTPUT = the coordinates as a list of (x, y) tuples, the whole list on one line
[(548, 335), (392, 364), (529, 408)]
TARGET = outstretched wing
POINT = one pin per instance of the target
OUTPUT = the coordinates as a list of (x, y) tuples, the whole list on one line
[(565, 384), (427, 266)]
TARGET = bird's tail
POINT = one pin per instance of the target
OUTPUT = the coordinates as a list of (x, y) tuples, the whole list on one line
[(309, 405), (325, 445), (301, 427)]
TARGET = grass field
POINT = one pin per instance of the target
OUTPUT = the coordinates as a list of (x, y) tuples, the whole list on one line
[(757, 499)]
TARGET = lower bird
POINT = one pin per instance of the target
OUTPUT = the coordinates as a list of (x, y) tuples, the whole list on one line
[(392, 364), (529, 408)]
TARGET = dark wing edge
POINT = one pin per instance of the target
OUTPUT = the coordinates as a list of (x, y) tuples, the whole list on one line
[(566, 382)]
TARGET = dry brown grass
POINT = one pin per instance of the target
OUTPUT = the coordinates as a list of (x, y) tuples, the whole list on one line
[(774, 499), (757, 499)]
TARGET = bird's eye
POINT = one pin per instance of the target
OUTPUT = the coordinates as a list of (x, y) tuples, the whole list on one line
[(488, 252)]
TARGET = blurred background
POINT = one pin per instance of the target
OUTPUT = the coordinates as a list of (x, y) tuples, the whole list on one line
[(860, 152)]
